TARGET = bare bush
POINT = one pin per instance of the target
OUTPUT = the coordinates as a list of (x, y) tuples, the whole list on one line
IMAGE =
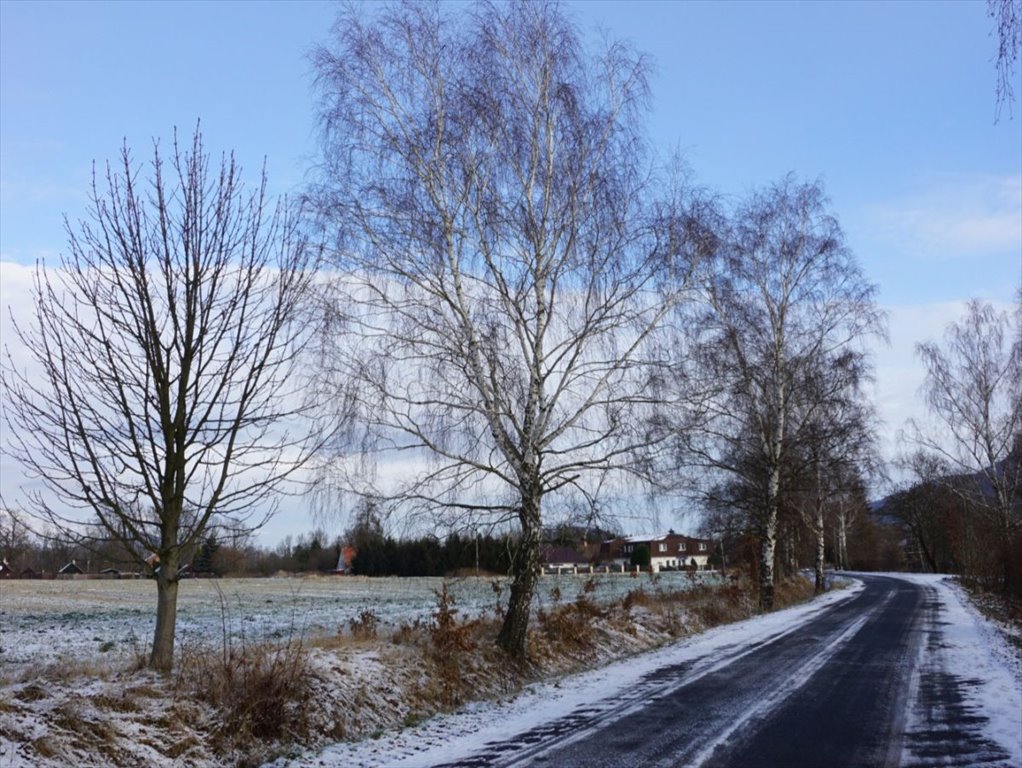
[(365, 625), (451, 640), (262, 690)]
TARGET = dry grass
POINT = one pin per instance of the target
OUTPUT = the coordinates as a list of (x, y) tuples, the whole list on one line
[(261, 691), (451, 644), (365, 625), (1003, 609), (573, 627)]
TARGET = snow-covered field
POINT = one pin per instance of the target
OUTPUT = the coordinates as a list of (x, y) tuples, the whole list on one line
[(109, 622)]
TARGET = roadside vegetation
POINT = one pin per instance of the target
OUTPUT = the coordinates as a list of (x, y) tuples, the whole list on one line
[(237, 702)]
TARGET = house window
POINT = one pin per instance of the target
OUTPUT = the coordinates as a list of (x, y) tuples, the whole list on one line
[(628, 548), (681, 546), (663, 547), (702, 547)]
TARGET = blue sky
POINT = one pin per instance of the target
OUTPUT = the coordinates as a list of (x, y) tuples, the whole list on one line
[(892, 104)]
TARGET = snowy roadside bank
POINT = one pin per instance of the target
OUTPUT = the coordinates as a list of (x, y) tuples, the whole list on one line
[(966, 653), (450, 737), (221, 707), (959, 643)]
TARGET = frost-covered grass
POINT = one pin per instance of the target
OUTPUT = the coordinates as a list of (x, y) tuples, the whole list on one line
[(110, 622), (64, 699)]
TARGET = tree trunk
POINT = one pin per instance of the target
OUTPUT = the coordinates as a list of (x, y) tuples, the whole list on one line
[(821, 550), (842, 542), (789, 549), (768, 546), (513, 636), (162, 657)]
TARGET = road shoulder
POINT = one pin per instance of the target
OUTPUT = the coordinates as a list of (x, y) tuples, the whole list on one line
[(966, 698)]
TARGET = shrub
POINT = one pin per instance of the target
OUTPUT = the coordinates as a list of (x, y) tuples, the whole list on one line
[(450, 641), (364, 626), (640, 556), (262, 690)]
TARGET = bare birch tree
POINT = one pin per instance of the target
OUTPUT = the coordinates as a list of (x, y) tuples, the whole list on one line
[(973, 389), (835, 450), (500, 265), (847, 507), (164, 391), (788, 305)]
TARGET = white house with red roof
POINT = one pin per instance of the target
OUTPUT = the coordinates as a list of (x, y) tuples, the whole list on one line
[(667, 551)]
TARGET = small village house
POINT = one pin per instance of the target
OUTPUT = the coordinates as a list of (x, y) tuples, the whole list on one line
[(69, 571), (670, 551), (564, 559)]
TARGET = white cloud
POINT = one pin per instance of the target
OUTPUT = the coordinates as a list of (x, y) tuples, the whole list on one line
[(954, 217), (900, 373), (15, 306)]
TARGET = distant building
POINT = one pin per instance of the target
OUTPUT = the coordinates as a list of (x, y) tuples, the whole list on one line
[(70, 570), (345, 559), (557, 559), (670, 551)]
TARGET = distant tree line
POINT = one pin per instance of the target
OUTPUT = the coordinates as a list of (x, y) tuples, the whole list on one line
[(430, 556), (310, 552), (946, 531)]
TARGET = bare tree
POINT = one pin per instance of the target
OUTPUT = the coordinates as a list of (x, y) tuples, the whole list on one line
[(973, 389), (940, 540), (788, 309), (1007, 16), (165, 346), (501, 266), (835, 449), (15, 539), (846, 509)]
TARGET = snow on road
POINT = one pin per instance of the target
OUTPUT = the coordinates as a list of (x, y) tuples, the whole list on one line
[(969, 648)]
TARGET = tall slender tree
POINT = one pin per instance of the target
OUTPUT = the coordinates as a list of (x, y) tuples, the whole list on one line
[(501, 262), (164, 397), (973, 444), (788, 312)]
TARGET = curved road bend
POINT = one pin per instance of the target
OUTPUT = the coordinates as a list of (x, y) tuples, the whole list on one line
[(832, 692)]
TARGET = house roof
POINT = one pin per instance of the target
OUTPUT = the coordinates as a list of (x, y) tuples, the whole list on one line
[(71, 567), (563, 555), (647, 538)]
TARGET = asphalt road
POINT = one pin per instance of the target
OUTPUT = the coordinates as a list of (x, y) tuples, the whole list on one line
[(846, 688)]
